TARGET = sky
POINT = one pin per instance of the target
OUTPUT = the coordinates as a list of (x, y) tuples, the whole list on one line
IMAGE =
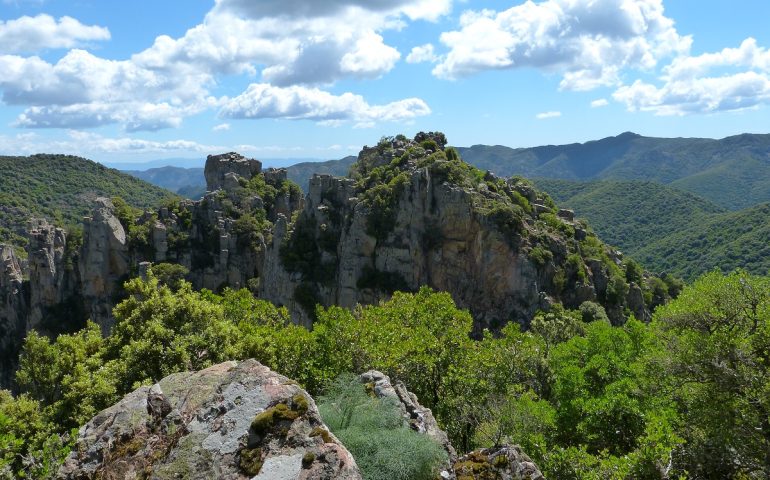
[(139, 80)]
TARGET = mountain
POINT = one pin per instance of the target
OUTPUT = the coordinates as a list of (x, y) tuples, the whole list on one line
[(62, 189), (666, 229), (300, 173), (725, 241), (412, 214), (631, 214), (733, 172), (187, 182)]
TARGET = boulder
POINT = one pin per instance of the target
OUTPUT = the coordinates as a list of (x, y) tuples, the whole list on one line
[(502, 463), (230, 421)]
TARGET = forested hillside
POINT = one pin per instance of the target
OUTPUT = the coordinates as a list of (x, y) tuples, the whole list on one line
[(666, 229), (733, 172), (62, 189)]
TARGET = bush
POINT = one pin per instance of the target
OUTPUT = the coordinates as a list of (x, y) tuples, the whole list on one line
[(374, 431)]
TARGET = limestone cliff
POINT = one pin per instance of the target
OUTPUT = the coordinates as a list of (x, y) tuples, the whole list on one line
[(13, 309), (413, 213)]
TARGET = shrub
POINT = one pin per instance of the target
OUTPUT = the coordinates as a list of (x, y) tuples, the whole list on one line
[(374, 431)]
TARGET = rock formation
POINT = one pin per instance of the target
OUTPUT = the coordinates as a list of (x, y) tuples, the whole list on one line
[(503, 463), (411, 216), (229, 421), (103, 262), (13, 309), (222, 171)]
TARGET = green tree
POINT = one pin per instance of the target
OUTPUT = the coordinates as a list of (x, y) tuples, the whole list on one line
[(717, 338)]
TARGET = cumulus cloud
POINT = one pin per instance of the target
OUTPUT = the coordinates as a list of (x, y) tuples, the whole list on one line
[(730, 80), (302, 103), (546, 115), (31, 34), (422, 53), (292, 9), (588, 42), (87, 143), (601, 102), (222, 127), (286, 43)]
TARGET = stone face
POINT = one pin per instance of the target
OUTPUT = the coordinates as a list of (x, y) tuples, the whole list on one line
[(104, 262), (50, 283), (219, 166), (229, 421), (13, 311)]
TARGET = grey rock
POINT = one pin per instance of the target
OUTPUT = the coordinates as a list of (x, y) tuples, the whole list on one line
[(504, 463), (209, 431), (219, 166)]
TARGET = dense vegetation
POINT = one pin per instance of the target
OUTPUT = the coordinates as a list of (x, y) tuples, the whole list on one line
[(62, 189), (727, 241), (733, 172), (666, 229), (686, 395)]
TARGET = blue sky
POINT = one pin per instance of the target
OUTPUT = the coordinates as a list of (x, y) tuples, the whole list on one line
[(141, 80)]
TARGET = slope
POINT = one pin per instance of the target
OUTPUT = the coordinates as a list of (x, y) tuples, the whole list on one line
[(630, 214), (722, 171), (728, 241), (62, 189)]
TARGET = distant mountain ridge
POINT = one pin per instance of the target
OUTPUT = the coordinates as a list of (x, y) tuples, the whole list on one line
[(732, 172)]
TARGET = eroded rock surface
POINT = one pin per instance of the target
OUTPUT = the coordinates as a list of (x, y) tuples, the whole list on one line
[(229, 421), (501, 463), (218, 167)]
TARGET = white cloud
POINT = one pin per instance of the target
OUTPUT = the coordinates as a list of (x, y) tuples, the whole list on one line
[(422, 53), (31, 34), (87, 144), (303, 103), (545, 115), (293, 9), (286, 43), (730, 80), (601, 102), (588, 41), (222, 127)]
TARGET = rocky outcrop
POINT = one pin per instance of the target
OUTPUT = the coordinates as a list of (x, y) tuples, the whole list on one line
[(104, 262), (222, 171), (52, 279), (503, 463), (13, 311), (411, 217), (229, 421)]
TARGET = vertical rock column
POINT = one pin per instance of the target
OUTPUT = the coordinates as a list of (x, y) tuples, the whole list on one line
[(103, 263)]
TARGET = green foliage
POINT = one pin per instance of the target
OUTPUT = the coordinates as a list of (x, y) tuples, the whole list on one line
[(170, 274), (376, 434), (685, 395), (62, 189), (540, 255), (716, 339)]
